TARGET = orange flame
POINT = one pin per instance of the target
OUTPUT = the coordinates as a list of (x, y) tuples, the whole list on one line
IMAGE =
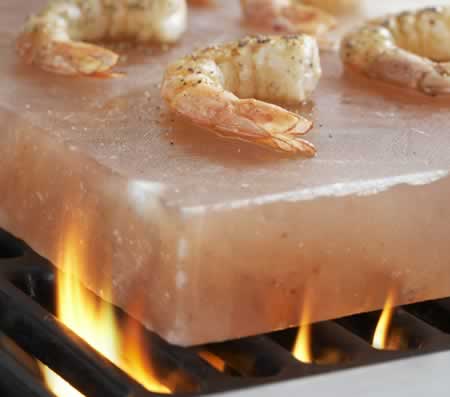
[(97, 325), (136, 362), (213, 360), (380, 337), (303, 346)]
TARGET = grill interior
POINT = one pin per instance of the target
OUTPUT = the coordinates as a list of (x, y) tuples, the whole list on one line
[(28, 331)]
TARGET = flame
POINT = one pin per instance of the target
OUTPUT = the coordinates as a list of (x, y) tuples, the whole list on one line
[(380, 337), (213, 360), (136, 363), (329, 356), (303, 347), (57, 384), (96, 324)]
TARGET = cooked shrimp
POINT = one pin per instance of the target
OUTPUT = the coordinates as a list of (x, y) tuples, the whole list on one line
[(53, 40), (288, 16), (216, 88), (200, 3), (333, 6), (409, 49)]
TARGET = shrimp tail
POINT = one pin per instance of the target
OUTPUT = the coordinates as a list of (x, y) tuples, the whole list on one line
[(307, 19), (66, 57), (409, 70), (291, 144), (437, 82), (81, 58), (288, 16), (274, 126)]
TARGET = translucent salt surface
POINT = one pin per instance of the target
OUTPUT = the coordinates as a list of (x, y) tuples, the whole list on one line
[(217, 237)]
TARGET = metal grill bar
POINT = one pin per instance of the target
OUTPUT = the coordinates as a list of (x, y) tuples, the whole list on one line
[(40, 334), (15, 380)]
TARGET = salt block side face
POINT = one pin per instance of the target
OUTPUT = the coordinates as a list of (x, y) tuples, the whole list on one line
[(344, 251), (219, 239)]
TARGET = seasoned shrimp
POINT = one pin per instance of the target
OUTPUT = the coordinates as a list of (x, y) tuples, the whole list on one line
[(409, 49), (334, 6), (216, 88), (53, 39), (288, 16)]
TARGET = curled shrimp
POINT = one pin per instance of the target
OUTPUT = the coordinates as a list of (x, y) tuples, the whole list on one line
[(408, 49), (216, 88), (334, 6), (54, 39), (288, 16)]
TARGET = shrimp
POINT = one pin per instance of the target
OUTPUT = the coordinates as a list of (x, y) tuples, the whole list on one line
[(222, 88), (200, 3), (334, 6), (288, 16), (53, 39), (408, 49)]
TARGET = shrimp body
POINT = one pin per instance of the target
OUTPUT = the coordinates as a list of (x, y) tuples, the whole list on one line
[(288, 16), (222, 88), (409, 49), (54, 39)]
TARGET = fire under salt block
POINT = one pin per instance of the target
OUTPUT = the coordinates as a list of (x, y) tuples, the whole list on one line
[(205, 239)]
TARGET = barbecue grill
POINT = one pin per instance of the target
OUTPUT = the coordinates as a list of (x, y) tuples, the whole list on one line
[(261, 365)]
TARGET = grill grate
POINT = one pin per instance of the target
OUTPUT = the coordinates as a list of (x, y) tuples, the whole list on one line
[(26, 303)]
